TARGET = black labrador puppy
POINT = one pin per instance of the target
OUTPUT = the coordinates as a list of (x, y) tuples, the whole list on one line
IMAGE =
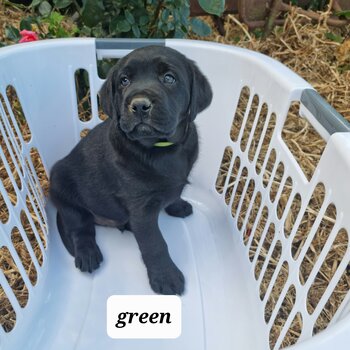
[(135, 163)]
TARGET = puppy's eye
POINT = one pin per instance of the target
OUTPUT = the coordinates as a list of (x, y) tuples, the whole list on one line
[(169, 79), (124, 81)]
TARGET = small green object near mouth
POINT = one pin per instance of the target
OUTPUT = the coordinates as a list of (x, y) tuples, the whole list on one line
[(163, 144)]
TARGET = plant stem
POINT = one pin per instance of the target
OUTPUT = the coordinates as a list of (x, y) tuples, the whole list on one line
[(274, 12), (156, 15)]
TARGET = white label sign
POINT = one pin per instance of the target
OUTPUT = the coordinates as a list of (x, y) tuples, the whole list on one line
[(143, 316)]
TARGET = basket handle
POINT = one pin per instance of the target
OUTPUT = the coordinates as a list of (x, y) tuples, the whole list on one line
[(117, 48), (330, 120)]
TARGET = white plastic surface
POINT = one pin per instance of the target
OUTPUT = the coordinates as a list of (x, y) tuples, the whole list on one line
[(221, 306)]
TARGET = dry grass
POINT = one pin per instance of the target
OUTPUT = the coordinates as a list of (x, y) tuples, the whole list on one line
[(9, 15), (304, 48)]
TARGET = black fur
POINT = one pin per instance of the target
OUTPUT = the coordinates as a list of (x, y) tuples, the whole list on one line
[(117, 176)]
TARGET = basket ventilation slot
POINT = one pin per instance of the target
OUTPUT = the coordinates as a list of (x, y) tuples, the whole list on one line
[(270, 269), (245, 204), (276, 291), (265, 142), (258, 132), (264, 250), (335, 300), (308, 219), (283, 199), (239, 190), (252, 217), (224, 169), (239, 114), (269, 167), (7, 313), (315, 248), (276, 183), (232, 180), (292, 215), (82, 89), (258, 232), (303, 141), (282, 317), (16, 116), (294, 331), (24, 256), (249, 122), (17, 287)]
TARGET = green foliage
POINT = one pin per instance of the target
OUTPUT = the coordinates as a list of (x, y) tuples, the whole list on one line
[(345, 14), (129, 18), (316, 5), (334, 37), (258, 33), (45, 8), (114, 18), (215, 7), (55, 26), (12, 33), (199, 27)]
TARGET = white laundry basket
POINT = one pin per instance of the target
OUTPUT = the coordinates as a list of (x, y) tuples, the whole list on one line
[(223, 307)]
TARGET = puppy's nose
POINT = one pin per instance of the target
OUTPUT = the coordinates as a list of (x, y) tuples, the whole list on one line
[(140, 105)]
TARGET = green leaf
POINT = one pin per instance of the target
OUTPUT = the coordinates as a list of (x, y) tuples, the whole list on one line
[(61, 33), (45, 8), (12, 33), (179, 33), (85, 31), (26, 23), (199, 27), (98, 31), (136, 30), (170, 26), (345, 14), (184, 14), (334, 37), (165, 15), (129, 17), (123, 26), (93, 12), (214, 7), (113, 25), (143, 20), (55, 19), (61, 4), (258, 32), (36, 3)]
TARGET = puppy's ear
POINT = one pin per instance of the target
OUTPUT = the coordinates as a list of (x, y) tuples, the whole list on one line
[(108, 96), (201, 93)]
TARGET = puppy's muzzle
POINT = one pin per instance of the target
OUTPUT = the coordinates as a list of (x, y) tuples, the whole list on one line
[(140, 106)]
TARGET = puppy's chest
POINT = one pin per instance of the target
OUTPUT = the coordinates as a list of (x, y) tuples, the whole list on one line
[(164, 175), (166, 171)]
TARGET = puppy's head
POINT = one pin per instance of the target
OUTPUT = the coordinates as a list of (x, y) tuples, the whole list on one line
[(152, 91)]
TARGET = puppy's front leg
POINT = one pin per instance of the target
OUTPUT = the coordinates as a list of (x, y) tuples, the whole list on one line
[(77, 230), (164, 276)]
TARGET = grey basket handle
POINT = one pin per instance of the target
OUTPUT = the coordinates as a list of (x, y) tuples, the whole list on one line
[(324, 113), (116, 48)]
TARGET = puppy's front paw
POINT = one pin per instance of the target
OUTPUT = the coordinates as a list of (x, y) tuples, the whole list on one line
[(88, 258), (180, 209), (169, 280)]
